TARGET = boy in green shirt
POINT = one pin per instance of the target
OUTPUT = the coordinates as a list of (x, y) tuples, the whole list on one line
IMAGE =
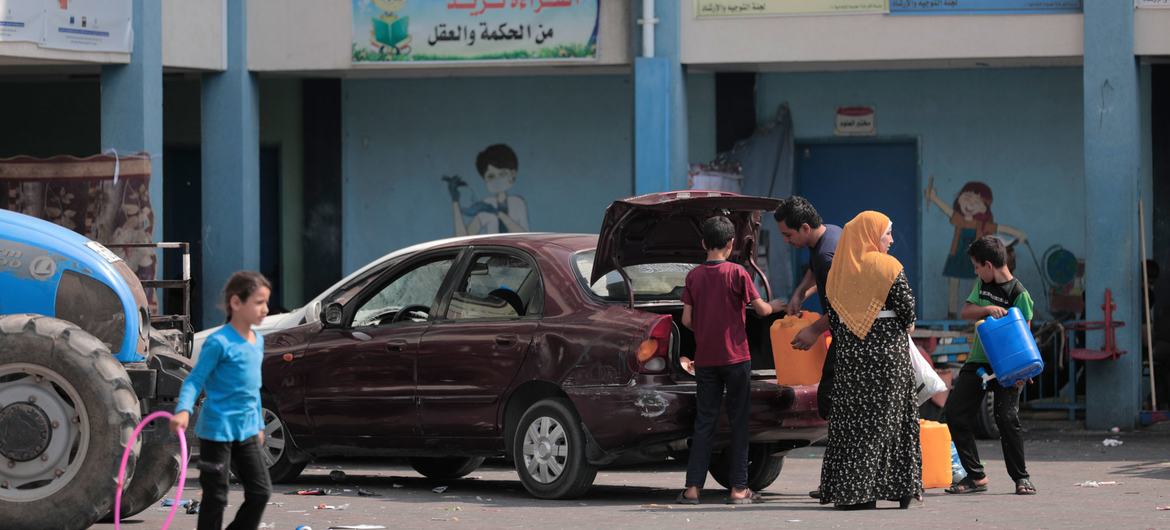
[(995, 291)]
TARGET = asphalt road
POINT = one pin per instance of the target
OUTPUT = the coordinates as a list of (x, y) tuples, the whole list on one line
[(1060, 458)]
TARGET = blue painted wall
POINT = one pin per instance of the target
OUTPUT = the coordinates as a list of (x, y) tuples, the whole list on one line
[(571, 134), (1018, 130)]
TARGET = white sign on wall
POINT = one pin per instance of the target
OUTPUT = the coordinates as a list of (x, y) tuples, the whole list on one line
[(1151, 3), (88, 25), (855, 121), (22, 20)]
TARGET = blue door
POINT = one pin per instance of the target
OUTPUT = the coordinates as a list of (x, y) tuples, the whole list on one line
[(842, 179)]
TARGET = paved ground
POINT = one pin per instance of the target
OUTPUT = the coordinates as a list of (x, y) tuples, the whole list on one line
[(1060, 455)]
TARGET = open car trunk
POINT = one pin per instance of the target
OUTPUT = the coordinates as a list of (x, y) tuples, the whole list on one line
[(759, 341)]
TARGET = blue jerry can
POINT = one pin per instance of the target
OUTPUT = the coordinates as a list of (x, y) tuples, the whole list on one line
[(1010, 347)]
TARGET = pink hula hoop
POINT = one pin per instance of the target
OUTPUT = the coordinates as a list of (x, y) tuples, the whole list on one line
[(126, 457)]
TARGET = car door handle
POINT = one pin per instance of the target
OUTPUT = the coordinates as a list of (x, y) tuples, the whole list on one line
[(396, 346), (505, 340)]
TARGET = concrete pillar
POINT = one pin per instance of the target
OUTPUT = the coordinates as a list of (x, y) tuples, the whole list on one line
[(1112, 123), (660, 106), (132, 101), (231, 167)]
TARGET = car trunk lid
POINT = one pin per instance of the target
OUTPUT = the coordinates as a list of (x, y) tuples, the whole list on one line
[(665, 228)]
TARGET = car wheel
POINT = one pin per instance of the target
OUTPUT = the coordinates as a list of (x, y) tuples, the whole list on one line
[(549, 451), (985, 427), (445, 468), (279, 449), (763, 467)]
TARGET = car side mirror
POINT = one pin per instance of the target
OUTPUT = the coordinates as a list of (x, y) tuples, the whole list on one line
[(332, 315)]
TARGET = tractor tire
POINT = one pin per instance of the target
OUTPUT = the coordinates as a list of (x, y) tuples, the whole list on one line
[(160, 448), (763, 467), (68, 410)]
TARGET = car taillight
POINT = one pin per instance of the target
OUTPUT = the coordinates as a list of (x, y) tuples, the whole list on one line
[(654, 352)]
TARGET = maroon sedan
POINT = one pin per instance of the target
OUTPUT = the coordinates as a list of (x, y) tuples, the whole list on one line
[(557, 351)]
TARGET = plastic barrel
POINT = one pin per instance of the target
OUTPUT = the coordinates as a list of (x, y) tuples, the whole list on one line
[(1010, 347), (935, 440), (793, 366)]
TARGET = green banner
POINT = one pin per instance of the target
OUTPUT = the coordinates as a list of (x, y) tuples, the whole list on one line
[(392, 31)]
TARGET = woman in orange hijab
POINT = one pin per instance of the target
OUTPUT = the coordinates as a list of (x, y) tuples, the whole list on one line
[(873, 452)]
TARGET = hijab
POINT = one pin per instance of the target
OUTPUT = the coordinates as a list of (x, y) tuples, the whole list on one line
[(861, 275)]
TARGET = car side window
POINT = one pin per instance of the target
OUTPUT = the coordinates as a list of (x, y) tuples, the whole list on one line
[(496, 285), (413, 290)]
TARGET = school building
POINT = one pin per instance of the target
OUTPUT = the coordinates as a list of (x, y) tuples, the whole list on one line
[(304, 138)]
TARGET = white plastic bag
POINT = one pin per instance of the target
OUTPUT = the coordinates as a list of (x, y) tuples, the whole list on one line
[(926, 381)]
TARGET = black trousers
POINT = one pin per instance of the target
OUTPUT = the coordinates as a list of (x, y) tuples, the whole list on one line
[(962, 406), (711, 381), (824, 399), (216, 460)]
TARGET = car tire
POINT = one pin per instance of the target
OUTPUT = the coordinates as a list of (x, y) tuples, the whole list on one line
[(985, 426), (446, 468), (549, 451), (763, 467), (87, 395), (285, 462)]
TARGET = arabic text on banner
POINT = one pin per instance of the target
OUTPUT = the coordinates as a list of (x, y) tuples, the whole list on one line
[(88, 25), (474, 30), (1151, 3), (734, 8), (22, 20), (983, 7)]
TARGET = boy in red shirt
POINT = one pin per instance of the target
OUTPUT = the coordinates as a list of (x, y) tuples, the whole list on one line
[(714, 298)]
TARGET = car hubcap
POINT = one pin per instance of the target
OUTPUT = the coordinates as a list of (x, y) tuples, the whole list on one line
[(44, 432), (546, 449), (274, 438)]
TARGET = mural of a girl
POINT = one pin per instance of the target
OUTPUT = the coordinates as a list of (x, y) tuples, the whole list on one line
[(970, 214)]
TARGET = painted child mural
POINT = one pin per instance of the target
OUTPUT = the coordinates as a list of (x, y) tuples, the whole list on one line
[(498, 212), (971, 216)]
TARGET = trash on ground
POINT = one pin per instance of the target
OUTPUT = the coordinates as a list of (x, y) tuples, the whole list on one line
[(367, 493), (171, 502), (337, 475), (267, 525), (398, 485), (357, 527), (439, 489), (314, 491), (332, 507), (1167, 507), (1097, 484), (276, 504), (1115, 430), (193, 508), (1111, 442)]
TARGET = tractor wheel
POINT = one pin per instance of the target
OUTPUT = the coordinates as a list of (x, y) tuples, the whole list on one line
[(160, 448), (67, 409)]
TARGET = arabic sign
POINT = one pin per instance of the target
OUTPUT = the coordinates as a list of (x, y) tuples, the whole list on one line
[(983, 7), (1151, 3), (733, 8), (473, 30), (20, 20), (855, 121), (80, 25)]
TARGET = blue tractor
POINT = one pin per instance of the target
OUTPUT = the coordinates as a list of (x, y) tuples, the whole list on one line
[(79, 367)]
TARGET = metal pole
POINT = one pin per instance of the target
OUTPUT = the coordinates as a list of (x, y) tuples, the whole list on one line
[(1146, 297)]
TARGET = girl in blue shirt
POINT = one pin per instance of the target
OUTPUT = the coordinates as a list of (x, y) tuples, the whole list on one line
[(231, 424)]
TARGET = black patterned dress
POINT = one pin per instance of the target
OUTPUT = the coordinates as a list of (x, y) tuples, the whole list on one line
[(873, 452)]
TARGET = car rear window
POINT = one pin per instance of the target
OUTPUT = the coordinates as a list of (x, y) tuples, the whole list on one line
[(651, 281)]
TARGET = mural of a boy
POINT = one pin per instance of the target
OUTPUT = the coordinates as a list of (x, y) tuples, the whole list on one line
[(971, 216), (499, 212)]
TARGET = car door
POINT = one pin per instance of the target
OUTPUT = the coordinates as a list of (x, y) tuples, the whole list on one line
[(470, 355), (360, 375)]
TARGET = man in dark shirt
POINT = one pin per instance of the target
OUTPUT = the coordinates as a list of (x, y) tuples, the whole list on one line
[(801, 226)]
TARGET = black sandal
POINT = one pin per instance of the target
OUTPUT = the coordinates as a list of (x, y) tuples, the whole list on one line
[(1025, 487), (967, 485), (683, 499)]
